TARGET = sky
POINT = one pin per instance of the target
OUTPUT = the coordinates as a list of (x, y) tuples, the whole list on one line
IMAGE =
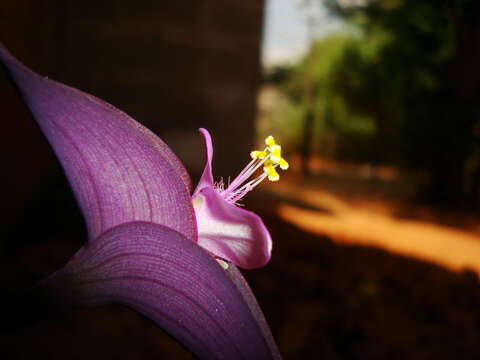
[(285, 37)]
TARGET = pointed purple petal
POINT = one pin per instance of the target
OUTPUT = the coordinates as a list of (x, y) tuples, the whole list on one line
[(118, 169), (171, 280), (231, 232), (207, 176), (235, 275)]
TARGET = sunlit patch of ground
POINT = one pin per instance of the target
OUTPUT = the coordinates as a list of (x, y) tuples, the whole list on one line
[(348, 217)]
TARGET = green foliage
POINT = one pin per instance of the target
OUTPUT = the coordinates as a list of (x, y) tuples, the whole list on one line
[(422, 86), (279, 116), (312, 85), (402, 88)]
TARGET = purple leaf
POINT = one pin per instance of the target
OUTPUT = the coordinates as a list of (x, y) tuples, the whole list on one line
[(119, 170), (144, 250), (171, 280)]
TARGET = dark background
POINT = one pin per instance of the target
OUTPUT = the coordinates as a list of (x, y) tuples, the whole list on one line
[(175, 67)]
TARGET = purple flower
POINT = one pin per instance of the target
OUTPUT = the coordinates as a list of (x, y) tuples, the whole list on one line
[(151, 244), (224, 229)]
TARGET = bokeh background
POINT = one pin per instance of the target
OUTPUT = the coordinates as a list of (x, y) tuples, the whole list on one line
[(376, 103)]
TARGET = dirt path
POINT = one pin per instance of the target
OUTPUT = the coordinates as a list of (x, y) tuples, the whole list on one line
[(325, 211)]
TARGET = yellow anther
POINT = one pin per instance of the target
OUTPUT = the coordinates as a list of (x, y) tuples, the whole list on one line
[(283, 164), (258, 154), (276, 153), (276, 156), (276, 150), (269, 168), (270, 158), (270, 141), (272, 173)]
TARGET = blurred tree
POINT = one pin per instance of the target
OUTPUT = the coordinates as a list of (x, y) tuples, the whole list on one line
[(422, 87), (312, 18), (340, 130)]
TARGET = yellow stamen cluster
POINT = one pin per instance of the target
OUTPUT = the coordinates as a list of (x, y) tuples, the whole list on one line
[(258, 154), (272, 157)]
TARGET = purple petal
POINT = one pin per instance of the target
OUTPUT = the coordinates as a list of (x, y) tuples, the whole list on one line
[(171, 280), (207, 176), (231, 232), (224, 229), (118, 169)]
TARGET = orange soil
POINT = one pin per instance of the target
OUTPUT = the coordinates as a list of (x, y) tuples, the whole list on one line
[(361, 223)]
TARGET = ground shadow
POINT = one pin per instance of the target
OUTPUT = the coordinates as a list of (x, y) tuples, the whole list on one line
[(331, 301)]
